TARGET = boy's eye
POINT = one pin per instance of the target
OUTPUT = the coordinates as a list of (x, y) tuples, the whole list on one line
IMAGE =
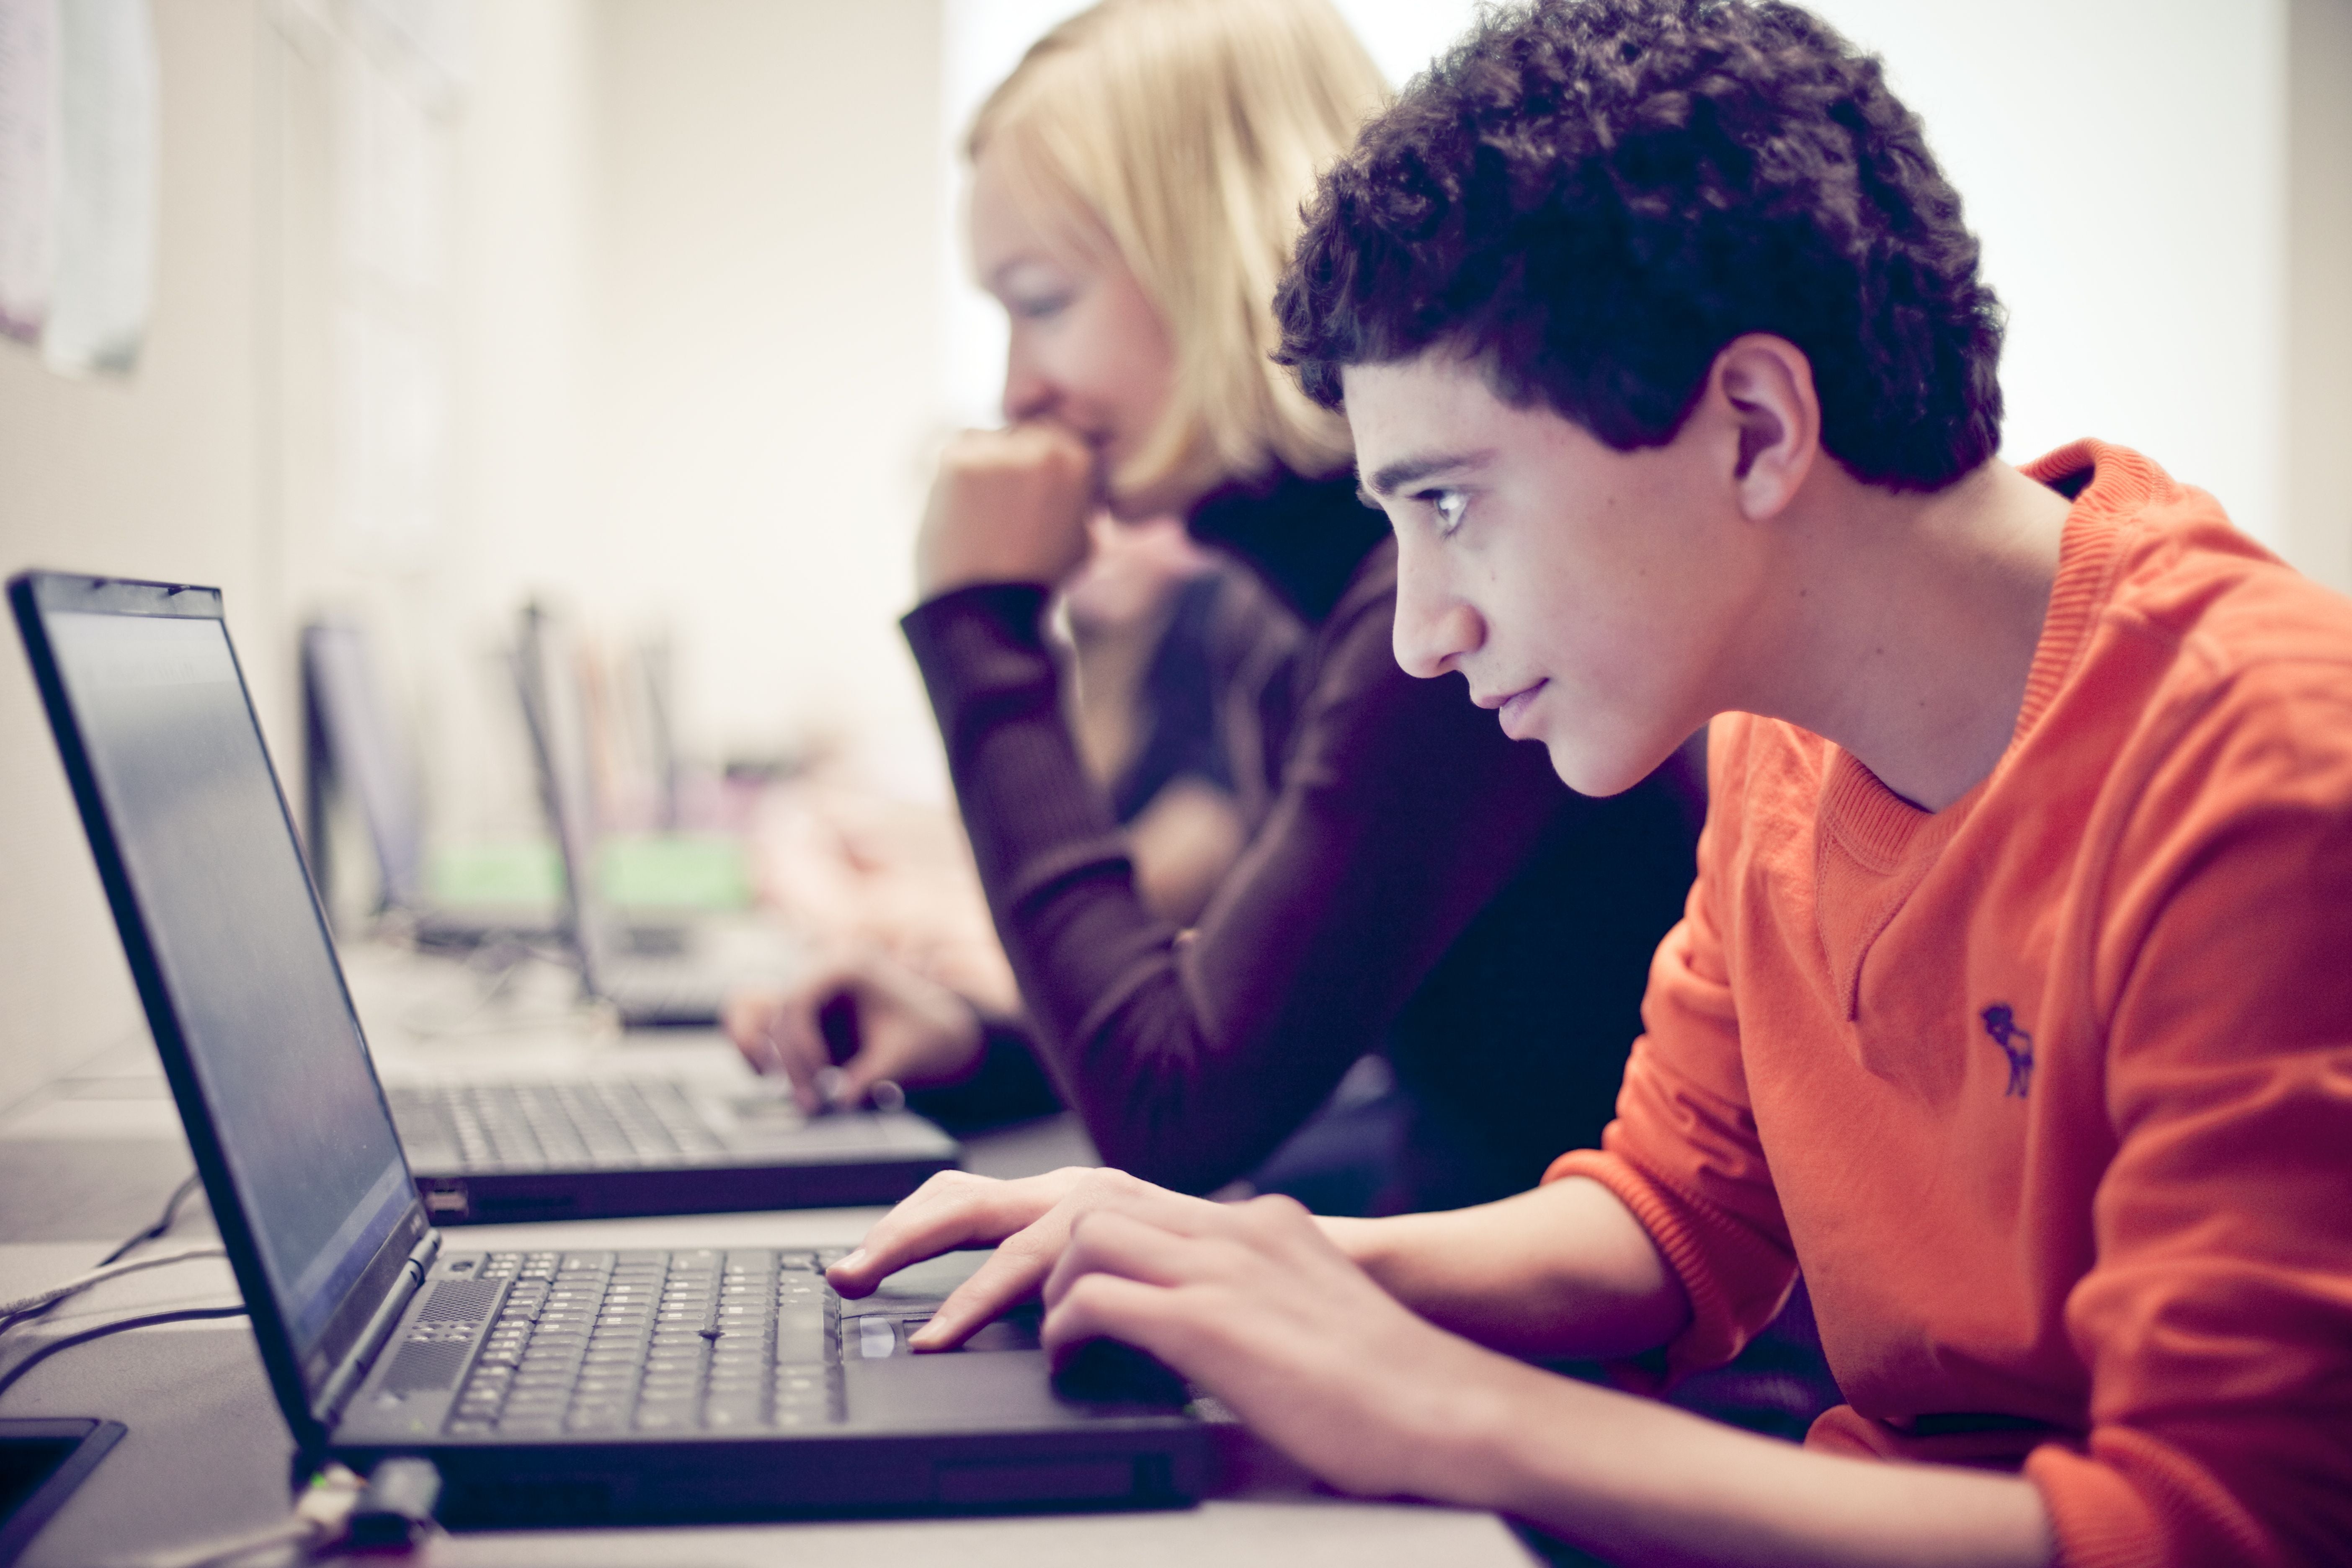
[(1042, 307), (1449, 505)]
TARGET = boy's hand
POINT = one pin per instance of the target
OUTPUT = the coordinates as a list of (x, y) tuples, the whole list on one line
[(1251, 1301), (1008, 506), (1254, 1303), (905, 1028), (1027, 1221)]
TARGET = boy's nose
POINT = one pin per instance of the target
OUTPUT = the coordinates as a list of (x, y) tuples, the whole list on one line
[(1433, 627)]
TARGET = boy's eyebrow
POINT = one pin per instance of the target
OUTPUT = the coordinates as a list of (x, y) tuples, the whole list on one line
[(1390, 478)]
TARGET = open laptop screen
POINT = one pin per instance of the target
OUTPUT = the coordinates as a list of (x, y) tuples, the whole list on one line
[(364, 748), (242, 953), (547, 678)]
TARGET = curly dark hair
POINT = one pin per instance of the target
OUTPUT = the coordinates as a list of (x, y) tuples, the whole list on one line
[(1591, 197)]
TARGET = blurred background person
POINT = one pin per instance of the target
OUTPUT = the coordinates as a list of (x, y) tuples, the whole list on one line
[(1420, 889)]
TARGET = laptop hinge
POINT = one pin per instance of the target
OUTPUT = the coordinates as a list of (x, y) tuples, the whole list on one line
[(346, 1380)]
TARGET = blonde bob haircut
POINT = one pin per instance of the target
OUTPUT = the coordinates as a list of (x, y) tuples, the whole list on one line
[(1186, 134)]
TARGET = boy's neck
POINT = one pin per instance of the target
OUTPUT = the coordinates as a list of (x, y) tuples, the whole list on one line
[(1909, 623)]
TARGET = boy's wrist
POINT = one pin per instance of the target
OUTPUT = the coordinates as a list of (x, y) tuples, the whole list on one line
[(1474, 1445), (1357, 1240), (1375, 1246)]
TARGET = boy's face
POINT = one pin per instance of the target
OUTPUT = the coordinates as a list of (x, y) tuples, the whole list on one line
[(1593, 597)]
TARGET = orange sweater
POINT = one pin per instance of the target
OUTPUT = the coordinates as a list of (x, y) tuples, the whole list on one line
[(2050, 1092)]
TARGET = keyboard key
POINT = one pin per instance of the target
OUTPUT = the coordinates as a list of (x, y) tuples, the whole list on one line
[(733, 1412), (615, 1420)]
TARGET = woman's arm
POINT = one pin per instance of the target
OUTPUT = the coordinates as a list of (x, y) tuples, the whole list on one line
[(1403, 811)]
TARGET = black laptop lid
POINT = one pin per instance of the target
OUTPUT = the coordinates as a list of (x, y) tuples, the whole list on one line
[(363, 743), (547, 678), (230, 949)]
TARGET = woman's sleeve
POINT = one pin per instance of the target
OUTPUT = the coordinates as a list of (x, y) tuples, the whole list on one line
[(1191, 1055)]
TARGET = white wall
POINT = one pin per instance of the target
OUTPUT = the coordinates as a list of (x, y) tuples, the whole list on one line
[(156, 476), (2318, 315), (2124, 162), (766, 328)]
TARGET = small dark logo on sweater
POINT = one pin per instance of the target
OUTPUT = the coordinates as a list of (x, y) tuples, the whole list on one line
[(2015, 1044)]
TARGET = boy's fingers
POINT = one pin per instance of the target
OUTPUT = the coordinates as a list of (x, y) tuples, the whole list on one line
[(1105, 1306), (1110, 1242), (952, 1209), (1144, 1235), (1010, 1277)]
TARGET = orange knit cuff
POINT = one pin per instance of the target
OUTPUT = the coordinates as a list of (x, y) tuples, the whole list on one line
[(2097, 1519), (1714, 1334)]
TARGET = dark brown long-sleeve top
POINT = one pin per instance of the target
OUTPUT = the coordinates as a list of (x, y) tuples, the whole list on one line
[(1422, 885)]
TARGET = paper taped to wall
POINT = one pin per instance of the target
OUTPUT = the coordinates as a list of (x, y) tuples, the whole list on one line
[(105, 276), (28, 163)]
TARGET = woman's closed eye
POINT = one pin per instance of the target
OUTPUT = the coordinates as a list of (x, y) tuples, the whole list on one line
[(1038, 307)]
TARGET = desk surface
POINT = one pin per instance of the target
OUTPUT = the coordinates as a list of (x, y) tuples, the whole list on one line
[(92, 1157)]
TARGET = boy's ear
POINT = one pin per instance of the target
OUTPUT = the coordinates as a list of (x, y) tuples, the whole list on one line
[(1767, 384)]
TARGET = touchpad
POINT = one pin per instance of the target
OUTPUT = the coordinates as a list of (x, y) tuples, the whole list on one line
[(1016, 1331), (879, 1335)]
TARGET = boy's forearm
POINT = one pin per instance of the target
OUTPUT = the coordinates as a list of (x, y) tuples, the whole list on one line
[(1634, 1481), (1564, 1271)]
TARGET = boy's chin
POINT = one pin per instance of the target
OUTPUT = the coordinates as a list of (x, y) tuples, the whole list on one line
[(1600, 771)]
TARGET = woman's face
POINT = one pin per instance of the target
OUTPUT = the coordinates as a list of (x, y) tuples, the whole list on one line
[(1087, 351)]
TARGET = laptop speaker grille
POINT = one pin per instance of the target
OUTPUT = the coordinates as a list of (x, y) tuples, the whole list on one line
[(460, 1301), (426, 1365)]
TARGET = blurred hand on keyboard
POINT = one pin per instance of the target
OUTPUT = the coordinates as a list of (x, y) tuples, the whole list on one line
[(854, 1022)]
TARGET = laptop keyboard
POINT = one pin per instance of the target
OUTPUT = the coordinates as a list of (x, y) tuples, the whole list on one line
[(585, 1124), (655, 1341)]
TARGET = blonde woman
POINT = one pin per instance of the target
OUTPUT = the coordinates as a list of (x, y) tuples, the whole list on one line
[(1421, 886)]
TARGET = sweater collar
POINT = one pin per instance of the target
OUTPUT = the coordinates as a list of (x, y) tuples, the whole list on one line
[(1305, 537), (2109, 483)]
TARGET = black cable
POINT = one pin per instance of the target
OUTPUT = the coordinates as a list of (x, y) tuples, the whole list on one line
[(163, 1225), (163, 1222), (16, 1373)]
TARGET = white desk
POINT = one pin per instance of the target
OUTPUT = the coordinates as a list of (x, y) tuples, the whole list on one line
[(92, 1157)]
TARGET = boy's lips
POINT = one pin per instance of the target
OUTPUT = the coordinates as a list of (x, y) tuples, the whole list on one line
[(1512, 708)]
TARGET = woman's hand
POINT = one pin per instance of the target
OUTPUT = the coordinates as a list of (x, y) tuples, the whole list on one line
[(1008, 506), (905, 1029)]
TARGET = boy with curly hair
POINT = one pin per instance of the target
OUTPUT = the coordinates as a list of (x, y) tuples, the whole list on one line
[(2012, 1001)]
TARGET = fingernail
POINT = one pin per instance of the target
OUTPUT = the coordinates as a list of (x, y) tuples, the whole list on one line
[(853, 1260)]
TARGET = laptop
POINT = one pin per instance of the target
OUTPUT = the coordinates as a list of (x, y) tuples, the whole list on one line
[(573, 1384), (655, 974), (604, 1146), (354, 750)]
